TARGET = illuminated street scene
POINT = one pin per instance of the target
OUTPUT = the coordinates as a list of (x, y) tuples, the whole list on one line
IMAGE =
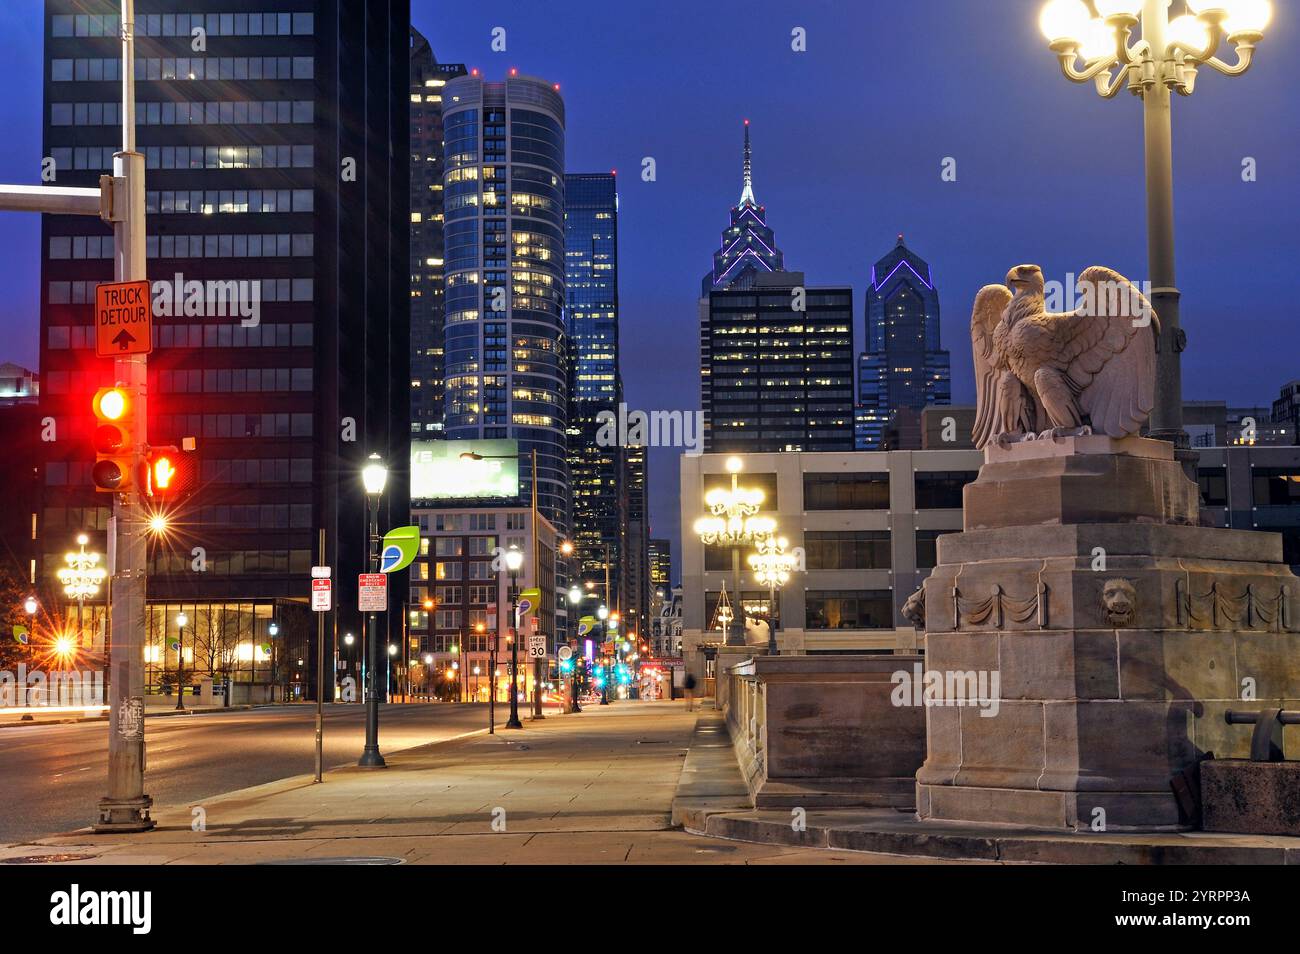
[(731, 435)]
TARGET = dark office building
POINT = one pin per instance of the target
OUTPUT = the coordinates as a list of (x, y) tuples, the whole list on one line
[(277, 159), (637, 560), (20, 488), (777, 367), (903, 367), (428, 77), (506, 361), (597, 468)]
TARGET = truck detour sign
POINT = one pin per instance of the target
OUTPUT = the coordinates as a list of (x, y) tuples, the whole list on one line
[(123, 319)]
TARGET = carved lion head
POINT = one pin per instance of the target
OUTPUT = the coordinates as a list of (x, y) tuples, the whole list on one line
[(1119, 602)]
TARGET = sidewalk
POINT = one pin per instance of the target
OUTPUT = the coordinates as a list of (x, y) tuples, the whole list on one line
[(595, 787)]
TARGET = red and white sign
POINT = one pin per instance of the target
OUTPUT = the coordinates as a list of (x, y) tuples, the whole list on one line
[(372, 592), (321, 595)]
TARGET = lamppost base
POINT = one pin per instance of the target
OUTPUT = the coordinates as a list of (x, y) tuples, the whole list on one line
[(536, 717), (124, 815), (371, 760), (513, 723)]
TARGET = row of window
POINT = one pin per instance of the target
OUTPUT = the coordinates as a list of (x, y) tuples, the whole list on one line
[(842, 550), (62, 337), (272, 290), (253, 516), (226, 112), (250, 245), (237, 425), (480, 594), (265, 470), (233, 562), (189, 157), (455, 522), (453, 570), (234, 380), (200, 202), (109, 69), (181, 24)]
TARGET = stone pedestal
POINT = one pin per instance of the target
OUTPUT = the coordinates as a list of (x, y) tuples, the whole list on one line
[(825, 731), (1258, 798), (1118, 631)]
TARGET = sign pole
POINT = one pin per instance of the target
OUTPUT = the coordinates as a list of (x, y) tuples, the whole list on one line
[(320, 674), (126, 806)]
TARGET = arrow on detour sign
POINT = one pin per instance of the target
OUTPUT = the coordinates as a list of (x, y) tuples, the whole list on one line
[(123, 319)]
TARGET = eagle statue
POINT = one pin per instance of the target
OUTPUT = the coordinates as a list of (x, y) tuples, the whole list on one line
[(1045, 375)]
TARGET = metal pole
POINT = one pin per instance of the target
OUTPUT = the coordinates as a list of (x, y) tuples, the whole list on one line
[(1167, 415), (126, 806), (513, 722), (772, 649), (537, 579), (370, 756), (492, 680), (320, 675)]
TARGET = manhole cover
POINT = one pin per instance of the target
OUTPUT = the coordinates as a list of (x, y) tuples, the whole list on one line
[(343, 860), (46, 859)]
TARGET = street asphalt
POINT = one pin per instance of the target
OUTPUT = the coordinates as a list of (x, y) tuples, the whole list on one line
[(52, 776)]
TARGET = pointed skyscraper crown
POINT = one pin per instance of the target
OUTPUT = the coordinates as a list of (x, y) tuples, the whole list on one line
[(747, 193)]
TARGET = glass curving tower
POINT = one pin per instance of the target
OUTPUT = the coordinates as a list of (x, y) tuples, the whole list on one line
[(505, 349)]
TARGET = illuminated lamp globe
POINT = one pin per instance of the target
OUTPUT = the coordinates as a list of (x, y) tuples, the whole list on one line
[(1097, 42), (374, 475), (514, 560), (1240, 16), (182, 620), (575, 594), (1190, 33), (735, 465), (1064, 20)]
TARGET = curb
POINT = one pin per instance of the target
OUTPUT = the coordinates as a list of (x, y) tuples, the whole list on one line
[(893, 837)]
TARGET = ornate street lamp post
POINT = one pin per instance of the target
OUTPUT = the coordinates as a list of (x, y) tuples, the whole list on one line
[(772, 566), (81, 579), (181, 622), (1163, 62), (733, 522)]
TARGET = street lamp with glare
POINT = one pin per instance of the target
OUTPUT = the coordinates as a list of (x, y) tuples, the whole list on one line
[(733, 521), (181, 622), (514, 562), (1164, 61), (374, 475)]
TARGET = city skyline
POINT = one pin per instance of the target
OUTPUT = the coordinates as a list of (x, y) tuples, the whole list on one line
[(837, 197)]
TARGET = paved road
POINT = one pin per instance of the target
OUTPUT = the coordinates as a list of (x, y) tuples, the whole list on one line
[(52, 776)]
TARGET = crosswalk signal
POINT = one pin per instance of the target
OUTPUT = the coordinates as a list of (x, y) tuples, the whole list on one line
[(114, 439)]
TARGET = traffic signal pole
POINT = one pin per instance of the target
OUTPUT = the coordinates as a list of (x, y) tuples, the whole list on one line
[(126, 806), (119, 201)]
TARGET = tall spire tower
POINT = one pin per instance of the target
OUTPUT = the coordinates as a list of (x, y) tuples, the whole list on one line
[(747, 193), (748, 246)]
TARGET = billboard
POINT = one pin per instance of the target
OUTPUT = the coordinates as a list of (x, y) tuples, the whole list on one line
[(441, 471)]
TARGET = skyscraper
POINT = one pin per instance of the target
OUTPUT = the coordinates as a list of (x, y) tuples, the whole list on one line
[(277, 161), (748, 245), (591, 285), (776, 368), (428, 77), (903, 368), (636, 563), (597, 467), (506, 362)]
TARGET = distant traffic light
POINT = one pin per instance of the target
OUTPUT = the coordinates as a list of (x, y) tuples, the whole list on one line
[(114, 439)]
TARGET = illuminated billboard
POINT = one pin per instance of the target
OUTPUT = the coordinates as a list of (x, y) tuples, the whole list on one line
[(443, 470)]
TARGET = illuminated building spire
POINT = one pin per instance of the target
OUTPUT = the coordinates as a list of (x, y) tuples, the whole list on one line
[(747, 193)]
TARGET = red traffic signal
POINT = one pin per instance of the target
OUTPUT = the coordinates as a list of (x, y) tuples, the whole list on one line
[(114, 439), (170, 472)]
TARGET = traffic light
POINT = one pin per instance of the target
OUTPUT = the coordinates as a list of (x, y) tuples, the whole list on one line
[(114, 439)]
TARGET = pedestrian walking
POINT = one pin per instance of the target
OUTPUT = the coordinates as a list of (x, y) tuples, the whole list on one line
[(689, 685)]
